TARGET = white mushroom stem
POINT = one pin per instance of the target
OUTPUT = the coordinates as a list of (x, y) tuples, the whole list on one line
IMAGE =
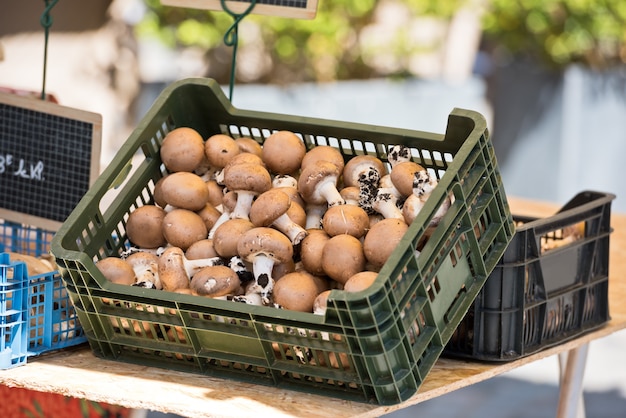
[(226, 214), (193, 266), (368, 186), (398, 154), (244, 202), (385, 203), (287, 226), (237, 264), (263, 281), (284, 180), (327, 189), (147, 276), (314, 215), (249, 298), (423, 183), (386, 183), (133, 250)]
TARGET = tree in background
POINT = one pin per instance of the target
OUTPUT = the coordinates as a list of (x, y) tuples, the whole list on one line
[(348, 39)]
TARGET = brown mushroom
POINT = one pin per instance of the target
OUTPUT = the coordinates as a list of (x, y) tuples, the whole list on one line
[(324, 153), (209, 215), (216, 193), (201, 249), (146, 268), (386, 203), (317, 184), (249, 145), (228, 234), (296, 291), (283, 152), (116, 270), (228, 205), (219, 149), (214, 282), (182, 150), (248, 180), (143, 227), (182, 227), (343, 257), (185, 191), (345, 219), (264, 247), (423, 185), (402, 176), (361, 168), (382, 239), (176, 271), (321, 303), (271, 209), (350, 194), (360, 281), (311, 249)]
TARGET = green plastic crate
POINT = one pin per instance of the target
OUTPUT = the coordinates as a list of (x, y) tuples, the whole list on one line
[(374, 346)]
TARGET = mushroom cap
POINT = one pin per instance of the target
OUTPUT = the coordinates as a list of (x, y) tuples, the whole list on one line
[(321, 302), (182, 150), (360, 281), (216, 193), (357, 166), (402, 176), (268, 206), (249, 145), (296, 291), (215, 281), (201, 249), (116, 270), (228, 235), (143, 227), (411, 207), (325, 153), (185, 190), (157, 195), (313, 175), (351, 194), (172, 269), (345, 219), (267, 241), (219, 149), (293, 194), (382, 239), (343, 257), (244, 157), (209, 215), (182, 227), (249, 177), (311, 249), (283, 152)]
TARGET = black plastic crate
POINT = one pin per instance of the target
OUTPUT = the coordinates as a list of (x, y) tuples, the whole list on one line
[(550, 286)]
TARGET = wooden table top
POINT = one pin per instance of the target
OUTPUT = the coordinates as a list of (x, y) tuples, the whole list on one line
[(77, 372)]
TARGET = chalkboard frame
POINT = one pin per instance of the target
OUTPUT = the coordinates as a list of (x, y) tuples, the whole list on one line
[(53, 111), (262, 7)]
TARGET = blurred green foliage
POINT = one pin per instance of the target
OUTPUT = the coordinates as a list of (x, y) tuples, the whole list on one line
[(556, 32), (323, 48), (560, 32)]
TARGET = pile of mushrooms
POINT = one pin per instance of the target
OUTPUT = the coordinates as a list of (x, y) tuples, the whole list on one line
[(273, 225)]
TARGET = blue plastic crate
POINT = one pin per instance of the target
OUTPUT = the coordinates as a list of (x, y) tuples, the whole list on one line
[(13, 306), (36, 313)]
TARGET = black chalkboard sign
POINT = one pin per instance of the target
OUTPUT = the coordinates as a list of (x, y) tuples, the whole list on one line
[(49, 157), (302, 9)]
